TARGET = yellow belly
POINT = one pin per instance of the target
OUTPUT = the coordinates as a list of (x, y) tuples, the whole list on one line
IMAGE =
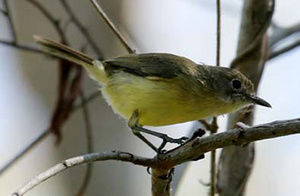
[(159, 102)]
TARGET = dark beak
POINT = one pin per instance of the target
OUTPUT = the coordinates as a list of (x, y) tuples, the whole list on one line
[(259, 101)]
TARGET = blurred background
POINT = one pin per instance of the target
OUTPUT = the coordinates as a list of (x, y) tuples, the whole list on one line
[(28, 86)]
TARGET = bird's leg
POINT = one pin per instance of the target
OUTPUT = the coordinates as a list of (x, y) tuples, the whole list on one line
[(133, 124)]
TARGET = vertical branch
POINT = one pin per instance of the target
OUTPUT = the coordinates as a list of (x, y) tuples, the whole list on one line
[(218, 54), (161, 182), (112, 26), (214, 123), (236, 162), (10, 21)]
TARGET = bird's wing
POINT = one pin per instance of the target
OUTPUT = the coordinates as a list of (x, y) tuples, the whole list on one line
[(160, 65)]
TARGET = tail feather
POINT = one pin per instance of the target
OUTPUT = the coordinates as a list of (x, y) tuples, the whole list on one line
[(62, 51)]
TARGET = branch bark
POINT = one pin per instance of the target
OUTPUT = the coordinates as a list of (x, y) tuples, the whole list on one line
[(277, 52), (162, 164), (161, 181), (236, 162), (279, 35), (88, 158)]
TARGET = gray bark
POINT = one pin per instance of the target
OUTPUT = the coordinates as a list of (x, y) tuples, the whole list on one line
[(236, 163)]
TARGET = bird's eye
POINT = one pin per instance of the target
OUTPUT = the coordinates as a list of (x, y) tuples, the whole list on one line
[(236, 84)]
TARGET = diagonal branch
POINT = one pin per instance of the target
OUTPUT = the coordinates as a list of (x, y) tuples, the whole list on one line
[(10, 20), (50, 18), (26, 149), (43, 135), (275, 53), (278, 36), (281, 33), (190, 151), (112, 27), (4, 12), (82, 29), (87, 158)]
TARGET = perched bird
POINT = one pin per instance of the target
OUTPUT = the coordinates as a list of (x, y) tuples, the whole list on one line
[(159, 89)]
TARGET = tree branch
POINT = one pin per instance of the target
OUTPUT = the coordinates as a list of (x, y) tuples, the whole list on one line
[(4, 12), (10, 21), (82, 29), (280, 33), (161, 181), (238, 136), (187, 152), (26, 149), (275, 53), (50, 18), (214, 124), (112, 26), (236, 162), (87, 158), (22, 47), (42, 136)]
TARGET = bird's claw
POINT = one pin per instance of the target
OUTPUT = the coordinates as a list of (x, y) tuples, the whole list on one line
[(168, 139)]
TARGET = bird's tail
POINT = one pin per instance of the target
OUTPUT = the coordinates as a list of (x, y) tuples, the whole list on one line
[(93, 67)]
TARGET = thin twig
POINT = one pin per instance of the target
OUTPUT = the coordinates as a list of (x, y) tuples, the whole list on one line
[(22, 47), (218, 54), (4, 12), (90, 144), (89, 99), (10, 21), (283, 50), (46, 13), (212, 183), (87, 158), (43, 135), (26, 149), (50, 18), (82, 29), (112, 26), (187, 152), (281, 33), (213, 131)]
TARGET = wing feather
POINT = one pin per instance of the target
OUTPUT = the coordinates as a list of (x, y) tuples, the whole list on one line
[(161, 65)]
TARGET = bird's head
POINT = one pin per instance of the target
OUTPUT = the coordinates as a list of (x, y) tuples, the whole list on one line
[(233, 87)]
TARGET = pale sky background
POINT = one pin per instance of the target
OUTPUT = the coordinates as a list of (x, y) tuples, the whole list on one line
[(185, 28)]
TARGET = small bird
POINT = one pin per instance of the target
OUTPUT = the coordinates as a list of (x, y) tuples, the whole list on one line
[(159, 89)]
